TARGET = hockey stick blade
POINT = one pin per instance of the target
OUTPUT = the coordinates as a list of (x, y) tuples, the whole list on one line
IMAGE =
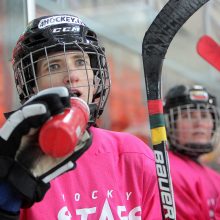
[(154, 48)]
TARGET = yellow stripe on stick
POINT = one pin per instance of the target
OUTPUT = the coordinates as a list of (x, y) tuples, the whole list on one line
[(158, 135)]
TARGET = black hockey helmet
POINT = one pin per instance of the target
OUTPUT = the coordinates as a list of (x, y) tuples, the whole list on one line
[(59, 33), (189, 98)]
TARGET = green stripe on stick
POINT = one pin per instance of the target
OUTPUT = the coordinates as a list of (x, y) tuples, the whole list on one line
[(157, 121)]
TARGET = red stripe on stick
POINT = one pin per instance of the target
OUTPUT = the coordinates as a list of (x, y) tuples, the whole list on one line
[(155, 107)]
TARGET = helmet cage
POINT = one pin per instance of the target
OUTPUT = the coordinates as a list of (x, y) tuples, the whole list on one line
[(191, 148), (25, 70)]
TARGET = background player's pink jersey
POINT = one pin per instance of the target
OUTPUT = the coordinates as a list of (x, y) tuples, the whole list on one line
[(115, 179), (196, 188)]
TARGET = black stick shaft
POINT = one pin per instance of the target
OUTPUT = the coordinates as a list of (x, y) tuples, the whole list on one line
[(154, 48)]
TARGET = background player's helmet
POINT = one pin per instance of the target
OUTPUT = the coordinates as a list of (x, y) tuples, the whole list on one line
[(181, 99), (59, 33)]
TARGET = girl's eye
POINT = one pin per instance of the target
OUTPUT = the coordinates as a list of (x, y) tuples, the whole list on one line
[(80, 62), (54, 67), (184, 115), (205, 115)]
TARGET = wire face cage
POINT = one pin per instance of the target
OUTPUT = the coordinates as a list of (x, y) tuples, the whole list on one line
[(82, 68), (193, 128)]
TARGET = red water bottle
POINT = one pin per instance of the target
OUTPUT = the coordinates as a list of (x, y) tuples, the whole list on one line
[(59, 135)]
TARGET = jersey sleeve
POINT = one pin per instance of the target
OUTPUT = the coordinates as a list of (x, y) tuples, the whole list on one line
[(151, 198), (143, 164)]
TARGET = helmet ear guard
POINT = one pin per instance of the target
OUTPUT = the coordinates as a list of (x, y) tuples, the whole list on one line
[(182, 99), (59, 33)]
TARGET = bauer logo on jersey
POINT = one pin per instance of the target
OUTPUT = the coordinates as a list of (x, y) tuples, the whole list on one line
[(64, 19), (199, 95)]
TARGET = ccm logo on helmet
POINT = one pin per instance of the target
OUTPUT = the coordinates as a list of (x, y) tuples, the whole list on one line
[(54, 20), (67, 29)]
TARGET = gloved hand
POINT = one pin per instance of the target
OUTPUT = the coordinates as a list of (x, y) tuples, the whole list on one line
[(25, 170)]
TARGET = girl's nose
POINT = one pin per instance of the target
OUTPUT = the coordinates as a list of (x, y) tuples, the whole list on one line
[(196, 115), (198, 120), (71, 77)]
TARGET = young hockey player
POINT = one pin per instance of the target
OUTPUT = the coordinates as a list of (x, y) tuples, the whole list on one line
[(191, 121)]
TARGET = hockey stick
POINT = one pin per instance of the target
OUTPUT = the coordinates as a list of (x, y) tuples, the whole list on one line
[(155, 44)]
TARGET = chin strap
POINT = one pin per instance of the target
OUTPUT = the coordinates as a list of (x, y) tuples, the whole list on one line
[(192, 150)]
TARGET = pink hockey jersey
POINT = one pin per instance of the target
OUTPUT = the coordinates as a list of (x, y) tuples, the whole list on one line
[(196, 188), (115, 179)]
